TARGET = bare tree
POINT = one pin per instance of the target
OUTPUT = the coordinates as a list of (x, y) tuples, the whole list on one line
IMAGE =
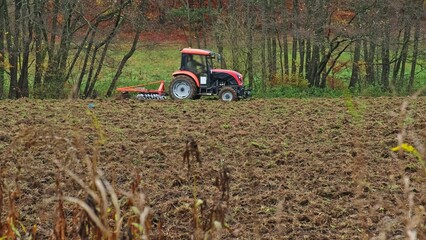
[(91, 81), (123, 63), (250, 51), (417, 19), (385, 56), (12, 50), (294, 36), (26, 24), (263, 46), (40, 50), (136, 17), (285, 28), (355, 65), (2, 50), (369, 53)]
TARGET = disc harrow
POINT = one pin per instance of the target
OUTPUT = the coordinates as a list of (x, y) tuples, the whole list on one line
[(143, 93)]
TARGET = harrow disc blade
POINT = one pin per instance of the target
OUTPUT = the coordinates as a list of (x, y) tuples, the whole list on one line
[(150, 96)]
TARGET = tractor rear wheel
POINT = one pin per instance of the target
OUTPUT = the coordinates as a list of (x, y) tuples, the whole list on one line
[(183, 87), (228, 94)]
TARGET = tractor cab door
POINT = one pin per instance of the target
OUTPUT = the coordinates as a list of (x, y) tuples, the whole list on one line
[(198, 65)]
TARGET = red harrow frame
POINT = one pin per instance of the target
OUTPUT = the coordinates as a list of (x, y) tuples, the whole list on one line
[(143, 93)]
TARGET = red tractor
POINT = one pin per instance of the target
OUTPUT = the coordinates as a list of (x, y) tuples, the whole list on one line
[(196, 77)]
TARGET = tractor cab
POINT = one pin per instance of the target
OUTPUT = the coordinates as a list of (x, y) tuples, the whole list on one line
[(200, 63), (198, 77), (195, 64)]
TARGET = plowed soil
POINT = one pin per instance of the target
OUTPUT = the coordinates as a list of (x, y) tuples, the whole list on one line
[(299, 168)]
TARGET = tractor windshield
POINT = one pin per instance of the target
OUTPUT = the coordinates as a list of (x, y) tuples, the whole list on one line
[(215, 56)]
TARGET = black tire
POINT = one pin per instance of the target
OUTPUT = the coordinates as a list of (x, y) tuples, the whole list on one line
[(228, 94), (183, 87)]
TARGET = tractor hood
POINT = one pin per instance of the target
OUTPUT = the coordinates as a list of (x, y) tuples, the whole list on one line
[(236, 75)]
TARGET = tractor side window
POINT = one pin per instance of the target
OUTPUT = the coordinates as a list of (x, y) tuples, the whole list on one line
[(202, 66), (195, 66), (191, 64)]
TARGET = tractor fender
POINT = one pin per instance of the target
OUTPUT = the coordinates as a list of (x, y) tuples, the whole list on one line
[(189, 74)]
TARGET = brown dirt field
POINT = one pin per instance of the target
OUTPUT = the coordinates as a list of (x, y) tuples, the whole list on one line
[(300, 168)]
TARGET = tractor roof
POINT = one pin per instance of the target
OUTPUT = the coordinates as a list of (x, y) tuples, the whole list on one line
[(197, 51)]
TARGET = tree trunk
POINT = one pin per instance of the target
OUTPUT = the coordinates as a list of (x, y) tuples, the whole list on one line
[(122, 63), (416, 41), (272, 52), (89, 89), (317, 64), (302, 56), (385, 60), (263, 48), (322, 66), (285, 28), (2, 50), (12, 46), (313, 76), (369, 54), (40, 54), (294, 56), (355, 66), (274, 55), (89, 92), (188, 18), (250, 71), (67, 31), (404, 55), (234, 37), (77, 85), (53, 33), (295, 38), (269, 60), (397, 64), (90, 85), (202, 30), (286, 60), (90, 75), (218, 35), (308, 57), (77, 54), (26, 23), (281, 58)]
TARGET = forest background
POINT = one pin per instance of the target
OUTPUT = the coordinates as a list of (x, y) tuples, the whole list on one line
[(81, 49)]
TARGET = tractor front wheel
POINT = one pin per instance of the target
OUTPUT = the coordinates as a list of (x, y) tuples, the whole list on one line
[(228, 94), (183, 87)]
